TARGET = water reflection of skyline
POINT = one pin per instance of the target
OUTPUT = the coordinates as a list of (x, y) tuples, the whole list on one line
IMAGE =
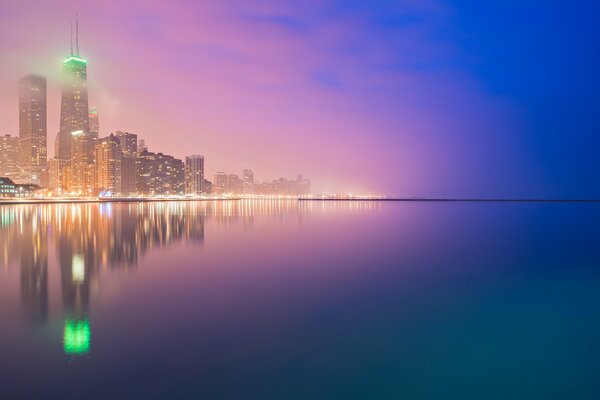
[(89, 238)]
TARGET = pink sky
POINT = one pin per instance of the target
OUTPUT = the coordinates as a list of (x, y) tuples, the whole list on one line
[(278, 88)]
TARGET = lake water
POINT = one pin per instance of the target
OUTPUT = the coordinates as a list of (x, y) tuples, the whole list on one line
[(300, 300)]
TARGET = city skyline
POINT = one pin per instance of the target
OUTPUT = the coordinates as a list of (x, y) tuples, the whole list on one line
[(85, 164), (415, 91)]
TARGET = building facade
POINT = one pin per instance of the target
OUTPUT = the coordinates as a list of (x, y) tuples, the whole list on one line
[(94, 121), (248, 178), (9, 156), (108, 166), (74, 111), (194, 174), (33, 160), (81, 167), (159, 174)]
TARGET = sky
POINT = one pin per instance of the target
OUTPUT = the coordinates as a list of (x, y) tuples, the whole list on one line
[(404, 98)]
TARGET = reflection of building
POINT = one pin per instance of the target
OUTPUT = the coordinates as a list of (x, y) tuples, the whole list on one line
[(34, 270), (32, 129), (194, 174)]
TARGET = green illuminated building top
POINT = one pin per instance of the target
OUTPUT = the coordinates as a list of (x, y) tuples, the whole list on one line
[(74, 103)]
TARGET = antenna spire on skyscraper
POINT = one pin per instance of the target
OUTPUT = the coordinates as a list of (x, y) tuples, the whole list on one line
[(77, 32), (71, 37)]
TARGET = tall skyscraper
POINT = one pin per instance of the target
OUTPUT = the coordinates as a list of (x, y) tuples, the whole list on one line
[(9, 156), (33, 159), (74, 111), (94, 121), (248, 181), (194, 174), (108, 165)]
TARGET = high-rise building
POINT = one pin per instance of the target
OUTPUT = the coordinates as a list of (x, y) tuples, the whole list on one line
[(142, 146), (234, 184), (33, 159), (58, 171), (128, 174), (220, 183), (158, 173), (81, 167), (108, 165), (74, 111), (9, 156), (94, 121), (248, 178), (128, 143), (194, 174)]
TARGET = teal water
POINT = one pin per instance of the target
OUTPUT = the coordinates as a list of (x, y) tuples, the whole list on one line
[(297, 300)]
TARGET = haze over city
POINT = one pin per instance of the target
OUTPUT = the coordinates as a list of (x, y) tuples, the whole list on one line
[(398, 98)]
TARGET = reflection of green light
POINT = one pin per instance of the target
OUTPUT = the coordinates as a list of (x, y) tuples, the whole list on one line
[(76, 337), (75, 59)]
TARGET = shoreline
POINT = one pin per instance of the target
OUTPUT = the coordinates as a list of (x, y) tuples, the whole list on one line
[(404, 200)]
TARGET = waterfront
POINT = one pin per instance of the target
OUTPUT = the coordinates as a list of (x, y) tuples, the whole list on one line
[(287, 299)]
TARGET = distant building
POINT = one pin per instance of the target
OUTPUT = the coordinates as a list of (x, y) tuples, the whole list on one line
[(206, 186), (94, 122), (32, 129), (234, 184), (141, 146), (7, 188), (108, 165), (159, 174), (194, 174), (248, 178), (220, 183), (128, 142), (9, 156)]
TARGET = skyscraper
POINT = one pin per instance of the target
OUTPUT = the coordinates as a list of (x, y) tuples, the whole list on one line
[(74, 111), (220, 183), (194, 174), (248, 181), (108, 165), (32, 128), (94, 121), (128, 143), (81, 168)]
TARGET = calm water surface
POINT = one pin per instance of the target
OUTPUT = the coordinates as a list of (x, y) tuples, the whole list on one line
[(300, 300)]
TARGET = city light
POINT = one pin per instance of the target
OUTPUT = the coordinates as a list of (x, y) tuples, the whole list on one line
[(76, 337)]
